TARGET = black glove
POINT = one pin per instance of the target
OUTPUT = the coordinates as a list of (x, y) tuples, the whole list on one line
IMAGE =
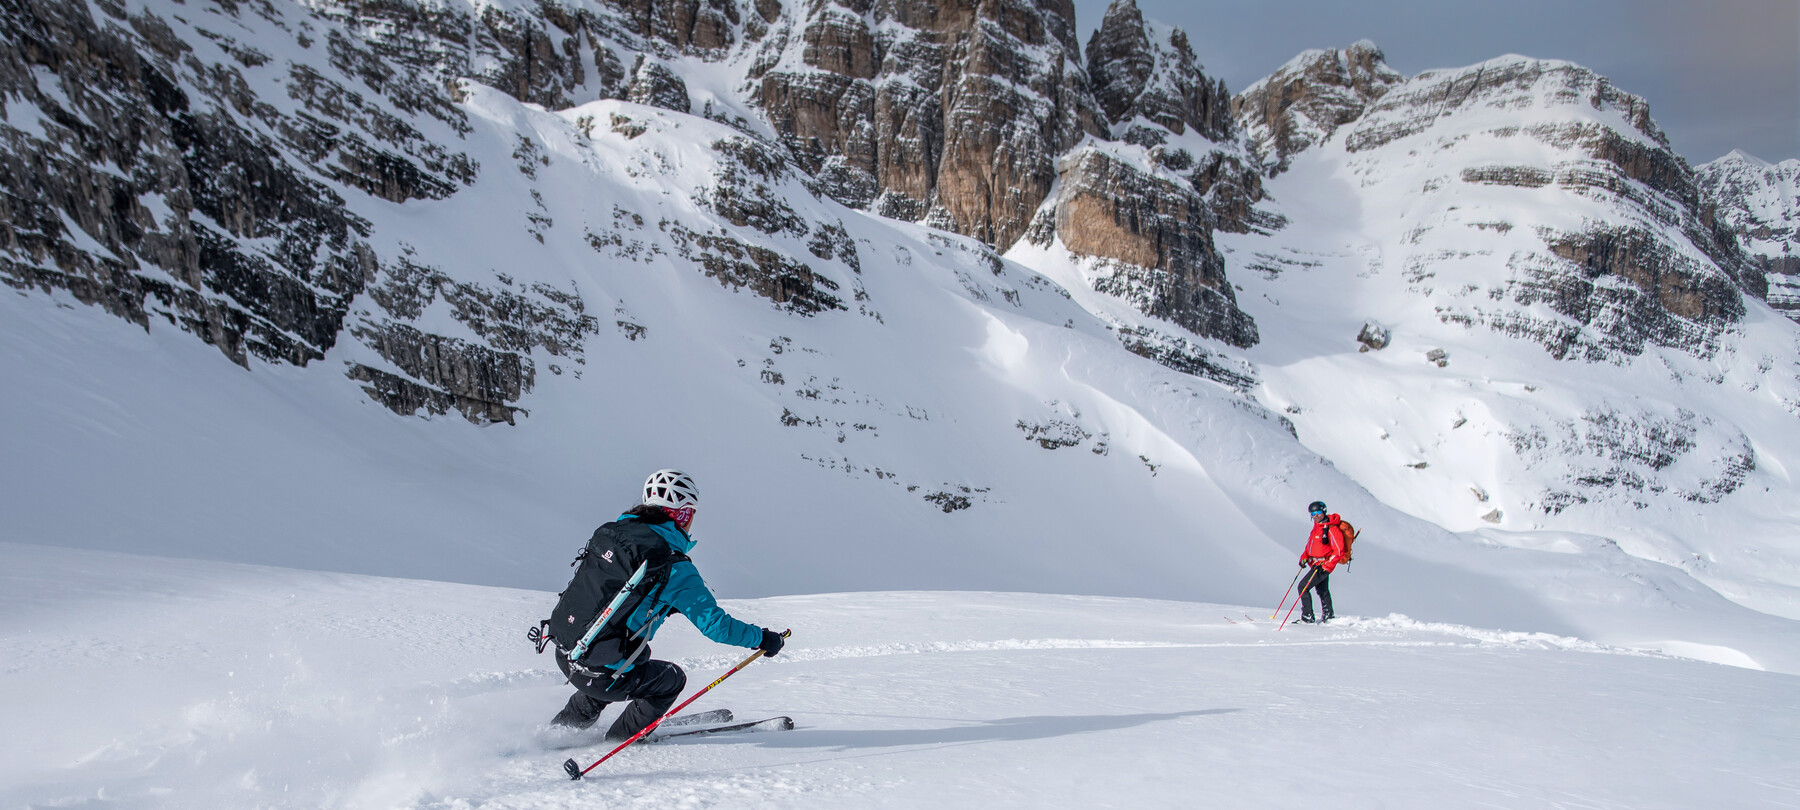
[(771, 642)]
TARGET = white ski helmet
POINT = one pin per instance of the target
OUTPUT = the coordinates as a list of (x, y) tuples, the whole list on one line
[(673, 489)]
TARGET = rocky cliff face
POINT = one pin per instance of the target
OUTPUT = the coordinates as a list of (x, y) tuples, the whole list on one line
[(1644, 262), (1141, 69), (1306, 100), (1155, 94), (1141, 212), (961, 115), (1760, 202), (259, 147), (219, 167), (1603, 224), (140, 178), (1151, 243), (950, 113)]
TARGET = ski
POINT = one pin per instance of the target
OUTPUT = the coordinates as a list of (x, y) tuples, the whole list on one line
[(1229, 619), (567, 739), (771, 724), (712, 716)]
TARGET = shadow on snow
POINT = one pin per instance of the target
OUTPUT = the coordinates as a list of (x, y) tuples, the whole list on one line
[(1008, 729)]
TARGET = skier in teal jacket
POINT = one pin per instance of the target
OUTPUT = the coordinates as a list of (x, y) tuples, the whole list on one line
[(652, 686)]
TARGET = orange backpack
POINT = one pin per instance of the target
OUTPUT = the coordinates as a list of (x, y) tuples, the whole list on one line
[(1349, 531)]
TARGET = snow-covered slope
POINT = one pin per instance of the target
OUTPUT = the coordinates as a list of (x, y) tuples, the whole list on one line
[(1566, 346), (151, 683)]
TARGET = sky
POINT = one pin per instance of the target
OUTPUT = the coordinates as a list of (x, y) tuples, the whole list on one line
[(1719, 75)]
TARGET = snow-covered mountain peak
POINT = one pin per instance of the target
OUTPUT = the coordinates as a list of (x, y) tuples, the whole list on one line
[(1760, 201), (1616, 202), (1155, 94), (1743, 157), (1304, 101), (1142, 68), (1360, 57), (1528, 88), (1469, 224)]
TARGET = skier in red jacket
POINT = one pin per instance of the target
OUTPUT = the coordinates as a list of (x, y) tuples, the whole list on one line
[(1324, 550)]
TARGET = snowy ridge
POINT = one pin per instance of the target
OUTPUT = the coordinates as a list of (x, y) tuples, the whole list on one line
[(1761, 201)]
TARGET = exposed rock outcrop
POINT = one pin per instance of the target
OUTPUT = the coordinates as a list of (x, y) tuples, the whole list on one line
[(1630, 454), (1139, 210), (442, 373), (142, 180), (768, 273), (657, 86), (537, 55), (952, 113), (1154, 238), (1760, 203), (1155, 94), (1305, 101), (1633, 257), (1141, 69), (151, 169)]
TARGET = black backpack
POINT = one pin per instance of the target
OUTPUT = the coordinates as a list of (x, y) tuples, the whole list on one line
[(608, 561)]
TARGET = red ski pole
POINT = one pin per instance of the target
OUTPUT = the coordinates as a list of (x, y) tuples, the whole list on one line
[(1284, 594), (1296, 604), (576, 771)]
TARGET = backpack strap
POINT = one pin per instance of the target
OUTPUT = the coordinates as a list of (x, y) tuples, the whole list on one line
[(650, 619)]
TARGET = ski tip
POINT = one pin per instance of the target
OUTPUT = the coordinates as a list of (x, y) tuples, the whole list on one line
[(573, 770)]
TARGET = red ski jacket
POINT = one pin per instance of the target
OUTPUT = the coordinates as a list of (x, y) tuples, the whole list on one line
[(1325, 548)]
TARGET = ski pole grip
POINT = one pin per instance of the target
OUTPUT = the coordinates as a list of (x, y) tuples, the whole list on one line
[(759, 653)]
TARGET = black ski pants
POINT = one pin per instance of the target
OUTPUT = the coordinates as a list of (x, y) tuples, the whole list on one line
[(651, 686), (1318, 579)]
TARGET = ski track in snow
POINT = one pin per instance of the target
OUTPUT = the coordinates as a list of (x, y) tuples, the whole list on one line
[(1342, 630)]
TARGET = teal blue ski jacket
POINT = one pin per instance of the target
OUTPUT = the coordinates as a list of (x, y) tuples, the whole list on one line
[(686, 593)]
